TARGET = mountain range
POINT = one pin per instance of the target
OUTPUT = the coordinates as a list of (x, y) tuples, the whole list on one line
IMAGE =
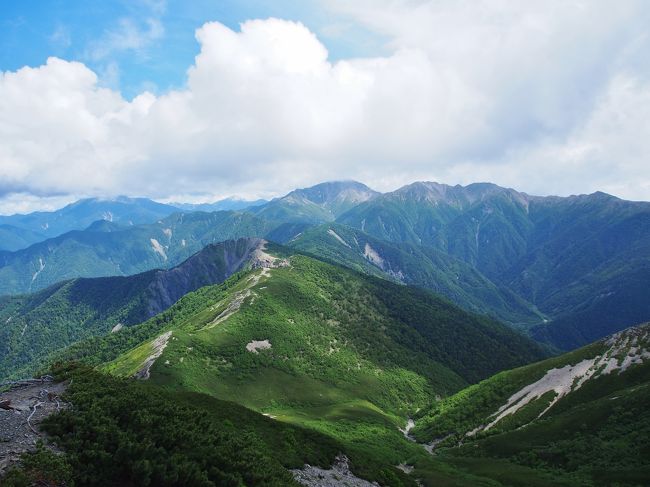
[(567, 271), (20, 231), (339, 336), (315, 345), (362, 379)]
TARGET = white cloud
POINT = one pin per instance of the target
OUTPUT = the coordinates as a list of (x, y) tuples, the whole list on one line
[(609, 152), (128, 35), (546, 98), (60, 38), (26, 203)]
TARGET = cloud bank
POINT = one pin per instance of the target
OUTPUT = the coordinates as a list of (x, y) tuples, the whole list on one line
[(552, 98)]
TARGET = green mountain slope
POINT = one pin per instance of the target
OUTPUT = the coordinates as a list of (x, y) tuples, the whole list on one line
[(582, 415), (32, 326), (107, 250), (132, 434), (330, 306), (415, 265), (575, 259), (319, 346)]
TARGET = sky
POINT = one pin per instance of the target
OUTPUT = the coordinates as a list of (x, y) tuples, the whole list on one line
[(205, 99)]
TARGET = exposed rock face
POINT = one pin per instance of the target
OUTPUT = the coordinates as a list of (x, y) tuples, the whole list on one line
[(625, 348), (261, 259), (157, 348), (24, 407), (214, 264), (337, 476), (256, 345)]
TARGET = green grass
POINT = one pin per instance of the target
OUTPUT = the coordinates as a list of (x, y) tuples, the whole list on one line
[(351, 357), (472, 406), (131, 363), (596, 435)]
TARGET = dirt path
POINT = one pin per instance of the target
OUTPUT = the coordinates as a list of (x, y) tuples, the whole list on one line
[(259, 260)]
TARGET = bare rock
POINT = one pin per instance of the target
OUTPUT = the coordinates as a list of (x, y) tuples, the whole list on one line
[(27, 404)]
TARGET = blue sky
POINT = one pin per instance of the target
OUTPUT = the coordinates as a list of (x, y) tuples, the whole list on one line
[(200, 100), (33, 30)]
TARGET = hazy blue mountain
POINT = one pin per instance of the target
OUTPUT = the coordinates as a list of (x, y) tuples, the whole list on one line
[(108, 250), (317, 204), (227, 204), (15, 238), (80, 214), (33, 325)]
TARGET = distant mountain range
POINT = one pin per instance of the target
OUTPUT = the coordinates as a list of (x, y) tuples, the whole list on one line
[(228, 204), (42, 225), (321, 203), (581, 261), (20, 231), (566, 270)]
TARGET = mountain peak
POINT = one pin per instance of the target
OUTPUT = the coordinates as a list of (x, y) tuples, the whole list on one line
[(320, 203), (330, 191), (457, 195)]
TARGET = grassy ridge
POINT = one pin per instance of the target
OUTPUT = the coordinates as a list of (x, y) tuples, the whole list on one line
[(598, 437), (470, 407), (350, 356), (35, 325)]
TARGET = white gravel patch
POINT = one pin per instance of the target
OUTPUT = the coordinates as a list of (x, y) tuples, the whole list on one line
[(338, 237), (157, 248), (256, 345), (158, 346), (373, 256), (626, 348)]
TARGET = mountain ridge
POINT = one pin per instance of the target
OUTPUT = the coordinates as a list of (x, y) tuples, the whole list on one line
[(38, 324), (567, 262)]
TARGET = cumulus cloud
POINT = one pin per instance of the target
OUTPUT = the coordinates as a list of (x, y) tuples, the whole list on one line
[(545, 98)]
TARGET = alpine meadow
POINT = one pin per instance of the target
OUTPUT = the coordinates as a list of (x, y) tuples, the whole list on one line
[(388, 243)]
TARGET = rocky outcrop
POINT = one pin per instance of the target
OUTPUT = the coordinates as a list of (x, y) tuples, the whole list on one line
[(157, 348), (212, 265), (339, 474), (25, 405)]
